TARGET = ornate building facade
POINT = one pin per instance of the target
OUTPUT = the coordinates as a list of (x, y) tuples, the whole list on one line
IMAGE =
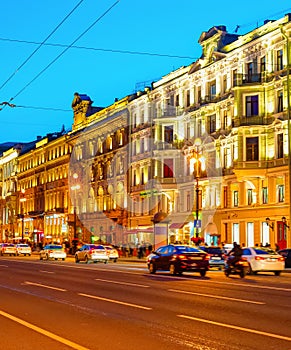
[(206, 147)]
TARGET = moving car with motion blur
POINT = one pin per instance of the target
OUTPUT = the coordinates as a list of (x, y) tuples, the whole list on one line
[(178, 259), (23, 248), (263, 259), (53, 251), (7, 249), (91, 252), (286, 253), (112, 253)]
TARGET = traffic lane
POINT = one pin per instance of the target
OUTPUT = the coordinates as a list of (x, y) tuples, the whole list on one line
[(108, 294), (131, 299)]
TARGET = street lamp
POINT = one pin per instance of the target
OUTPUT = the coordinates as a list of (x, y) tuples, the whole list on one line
[(74, 188), (22, 200), (268, 222), (198, 166)]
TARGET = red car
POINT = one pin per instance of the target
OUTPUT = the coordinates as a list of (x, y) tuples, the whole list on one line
[(178, 259)]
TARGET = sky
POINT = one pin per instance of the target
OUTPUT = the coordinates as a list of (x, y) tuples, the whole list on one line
[(106, 49)]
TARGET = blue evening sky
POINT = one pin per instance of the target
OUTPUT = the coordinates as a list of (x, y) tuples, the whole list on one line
[(49, 79)]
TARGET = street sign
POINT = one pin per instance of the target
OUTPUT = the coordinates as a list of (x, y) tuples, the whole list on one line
[(197, 223)]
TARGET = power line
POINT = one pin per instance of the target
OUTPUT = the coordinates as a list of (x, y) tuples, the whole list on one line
[(40, 45), (65, 50), (102, 49)]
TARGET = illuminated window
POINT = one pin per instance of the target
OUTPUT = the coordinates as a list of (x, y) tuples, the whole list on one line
[(281, 193), (265, 195), (235, 198), (252, 148), (252, 105)]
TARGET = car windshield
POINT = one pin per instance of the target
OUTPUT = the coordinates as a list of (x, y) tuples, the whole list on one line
[(187, 249), (23, 245), (213, 250), (93, 246), (264, 251), (55, 247)]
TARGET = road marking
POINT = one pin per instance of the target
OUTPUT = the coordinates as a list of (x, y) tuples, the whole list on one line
[(44, 271), (125, 283), (216, 297), (115, 301), (43, 332), (3, 265), (45, 286), (251, 285), (236, 327)]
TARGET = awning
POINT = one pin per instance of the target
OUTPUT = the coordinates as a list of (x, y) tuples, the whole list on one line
[(177, 225)]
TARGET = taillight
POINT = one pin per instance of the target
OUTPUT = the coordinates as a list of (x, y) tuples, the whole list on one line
[(207, 257), (182, 257), (50, 251), (259, 258), (281, 258), (91, 251)]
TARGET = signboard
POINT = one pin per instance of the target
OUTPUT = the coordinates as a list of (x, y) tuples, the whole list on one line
[(197, 223)]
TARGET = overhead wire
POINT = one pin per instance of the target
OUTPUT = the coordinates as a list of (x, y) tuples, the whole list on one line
[(66, 49), (40, 44)]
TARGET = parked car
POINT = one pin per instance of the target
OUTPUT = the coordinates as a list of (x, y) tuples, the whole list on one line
[(23, 248), (53, 251), (216, 256), (262, 259), (286, 253), (91, 252), (177, 259), (112, 253), (8, 248)]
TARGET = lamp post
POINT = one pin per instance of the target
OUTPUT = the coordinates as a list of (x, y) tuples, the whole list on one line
[(74, 188), (198, 160), (22, 200)]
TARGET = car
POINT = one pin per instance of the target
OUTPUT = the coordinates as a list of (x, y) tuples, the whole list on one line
[(286, 253), (8, 248), (216, 256), (112, 253), (53, 251), (23, 248), (91, 252), (178, 259), (264, 259)]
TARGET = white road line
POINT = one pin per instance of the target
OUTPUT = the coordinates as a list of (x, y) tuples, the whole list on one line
[(125, 283), (3, 265), (43, 332), (277, 336), (216, 297), (250, 285), (115, 301), (44, 286), (44, 271)]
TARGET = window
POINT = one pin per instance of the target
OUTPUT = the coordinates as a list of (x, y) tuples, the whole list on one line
[(199, 94), (281, 193), (169, 136), (224, 83), (188, 201), (187, 98), (252, 148), (280, 146), (168, 168), (177, 101), (225, 120), (280, 59), (225, 196), (250, 196), (252, 105), (250, 69), (235, 198), (263, 64), (212, 90), (280, 102), (234, 77), (212, 123), (265, 195)]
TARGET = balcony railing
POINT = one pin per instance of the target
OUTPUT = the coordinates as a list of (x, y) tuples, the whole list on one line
[(242, 79)]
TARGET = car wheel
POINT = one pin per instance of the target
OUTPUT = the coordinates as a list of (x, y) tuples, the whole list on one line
[(63, 259), (40, 257), (203, 273), (86, 259), (173, 269), (152, 267), (277, 273), (105, 261), (76, 259), (47, 257), (115, 260), (242, 273)]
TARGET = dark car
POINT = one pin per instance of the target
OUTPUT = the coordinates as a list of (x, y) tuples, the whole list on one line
[(178, 259), (286, 253), (216, 256)]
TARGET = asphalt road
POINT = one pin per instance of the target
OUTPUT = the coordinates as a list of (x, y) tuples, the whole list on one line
[(52, 305)]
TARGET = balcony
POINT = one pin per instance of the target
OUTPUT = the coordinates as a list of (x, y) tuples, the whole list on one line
[(245, 79)]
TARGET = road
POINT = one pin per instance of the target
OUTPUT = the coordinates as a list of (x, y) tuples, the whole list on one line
[(62, 305)]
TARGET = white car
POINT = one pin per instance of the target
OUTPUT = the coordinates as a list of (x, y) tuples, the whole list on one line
[(263, 259), (112, 253), (53, 251), (91, 252), (22, 248)]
